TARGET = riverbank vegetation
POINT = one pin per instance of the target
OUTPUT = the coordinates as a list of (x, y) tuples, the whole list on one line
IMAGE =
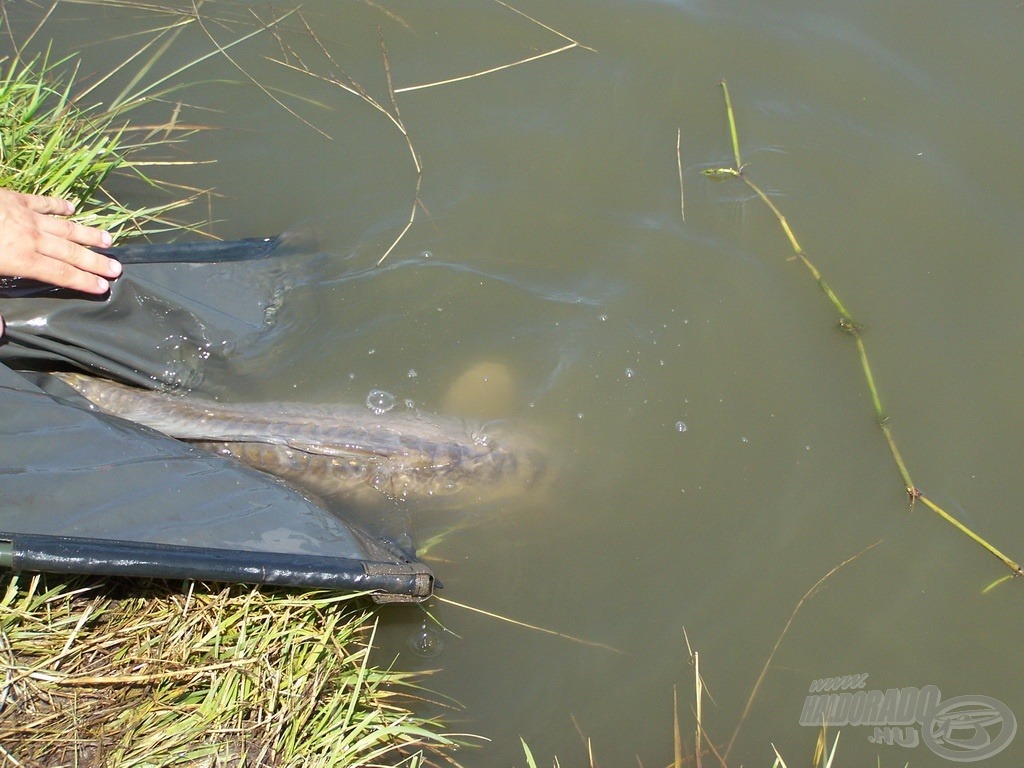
[(132, 673), (57, 141)]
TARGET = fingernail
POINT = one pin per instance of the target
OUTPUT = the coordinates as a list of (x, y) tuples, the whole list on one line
[(102, 284), (70, 206), (115, 268), (106, 239)]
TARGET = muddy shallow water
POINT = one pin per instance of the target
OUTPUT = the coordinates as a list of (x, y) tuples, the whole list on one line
[(717, 447)]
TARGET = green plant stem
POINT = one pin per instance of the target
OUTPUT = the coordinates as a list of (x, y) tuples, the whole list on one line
[(732, 127), (850, 326)]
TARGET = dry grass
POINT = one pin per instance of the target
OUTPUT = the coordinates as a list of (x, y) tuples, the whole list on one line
[(111, 672)]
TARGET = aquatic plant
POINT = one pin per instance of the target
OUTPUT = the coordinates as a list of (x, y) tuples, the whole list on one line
[(704, 746), (852, 328), (389, 107)]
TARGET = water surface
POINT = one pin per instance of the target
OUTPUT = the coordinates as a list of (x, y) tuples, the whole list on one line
[(718, 451)]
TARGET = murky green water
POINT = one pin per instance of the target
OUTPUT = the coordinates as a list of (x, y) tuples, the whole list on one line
[(718, 452)]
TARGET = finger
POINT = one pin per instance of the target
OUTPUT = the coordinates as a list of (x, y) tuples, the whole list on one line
[(68, 265), (42, 203), (56, 248), (74, 232), (64, 275)]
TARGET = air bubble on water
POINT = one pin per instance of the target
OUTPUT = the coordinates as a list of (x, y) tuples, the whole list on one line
[(480, 436), (426, 642), (184, 362), (352, 377), (409, 403), (602, 318), (745, 439), (426, 254), (680, 426), (380, 401), (630, 373), (412, 373), (579, 415), (371, 351)]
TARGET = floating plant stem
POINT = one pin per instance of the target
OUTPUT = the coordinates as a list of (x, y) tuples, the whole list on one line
[(732, 128), (392, 113), (778, 641), (518, 623), (848, 325), (679, 165), (570, 44)]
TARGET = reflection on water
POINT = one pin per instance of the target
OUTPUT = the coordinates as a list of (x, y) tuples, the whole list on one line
[(718, 450)]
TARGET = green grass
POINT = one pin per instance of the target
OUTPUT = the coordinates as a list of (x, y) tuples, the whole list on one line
[(56, 142)]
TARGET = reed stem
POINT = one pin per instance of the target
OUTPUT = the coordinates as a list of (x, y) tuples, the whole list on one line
[(848, 325)]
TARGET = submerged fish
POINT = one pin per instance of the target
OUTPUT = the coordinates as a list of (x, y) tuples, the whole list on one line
[(344, 452)]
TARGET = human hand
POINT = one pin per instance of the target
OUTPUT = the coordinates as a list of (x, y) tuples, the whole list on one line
[(35, 244)]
